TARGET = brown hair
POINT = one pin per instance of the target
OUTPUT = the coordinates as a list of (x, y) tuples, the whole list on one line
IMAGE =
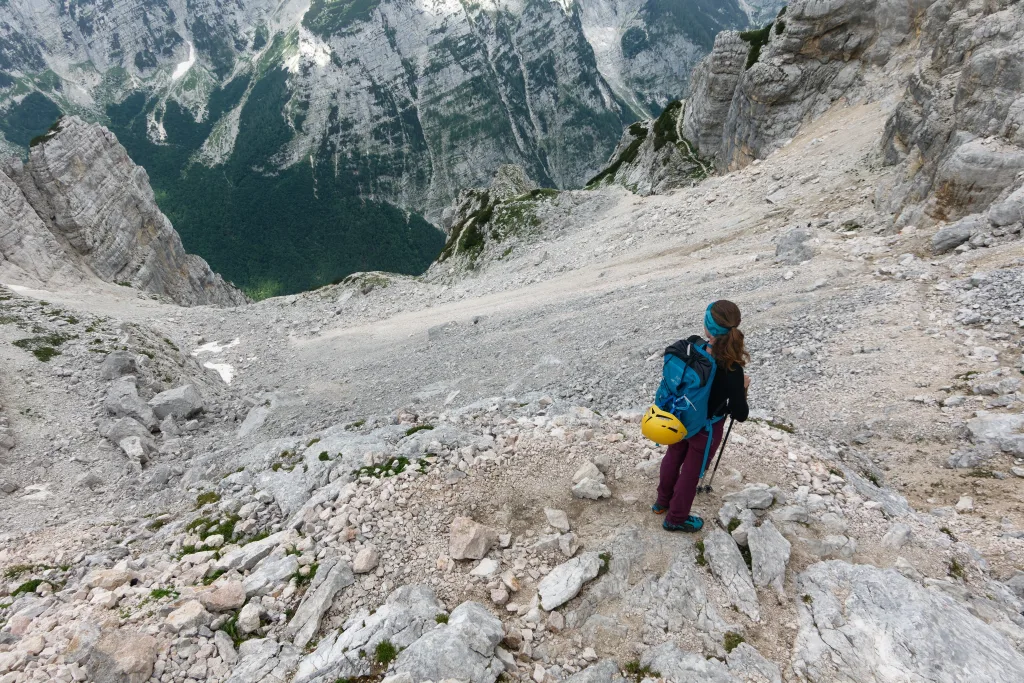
[(728, 349)]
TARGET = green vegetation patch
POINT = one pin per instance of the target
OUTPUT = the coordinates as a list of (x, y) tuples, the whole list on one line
[(625, 157), (639, 673), (956, 570), (385, 653), (25, 121), (207, 498), (701, 560), (270, 230), (43, 347), (390, 468), (330, 17), (732, 641), (29, 586), (757, 38), (606, 559), (441, 618), (418, 428)]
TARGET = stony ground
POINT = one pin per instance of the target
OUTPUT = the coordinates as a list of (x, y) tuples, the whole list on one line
[(876, 367)]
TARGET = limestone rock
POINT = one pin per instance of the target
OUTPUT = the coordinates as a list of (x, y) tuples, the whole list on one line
[(588, 471), (469, 540), (249, 618), (680, 598), (605, 671), (750, 666), (591, 489), (190, 615), (121, 657), (270, 572), (264, 660), (223, 596), (117, 364), (332, 576), (929, 636), (85, 189), (752, 497), (181, 402), (366, 560), (675, 664), (408, 612), (122, 400), (1004, 432), (564, 582), (728, 566), (463, 648), (557, 518), (793, 247), (769, 554)]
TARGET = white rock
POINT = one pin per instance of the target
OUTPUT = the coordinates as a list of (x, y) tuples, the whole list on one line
[(564, 582), (366, 560)]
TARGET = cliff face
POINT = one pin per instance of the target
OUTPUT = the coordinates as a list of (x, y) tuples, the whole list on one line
[(955, 71), (79, 199)]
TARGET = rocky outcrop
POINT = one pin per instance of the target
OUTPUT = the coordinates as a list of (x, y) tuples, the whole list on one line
[(80, 202), (861, 623), (654, 157)]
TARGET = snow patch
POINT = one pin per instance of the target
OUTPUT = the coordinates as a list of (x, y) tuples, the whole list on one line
[(216, 346), (225, 370), (182, 68)]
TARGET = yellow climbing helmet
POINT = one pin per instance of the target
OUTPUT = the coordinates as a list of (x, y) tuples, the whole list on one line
[(661, 427)]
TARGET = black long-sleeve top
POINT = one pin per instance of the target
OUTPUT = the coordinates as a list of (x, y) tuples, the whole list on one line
[(728, 396)]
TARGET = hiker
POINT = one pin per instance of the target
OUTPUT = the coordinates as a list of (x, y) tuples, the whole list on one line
[(685, 460)]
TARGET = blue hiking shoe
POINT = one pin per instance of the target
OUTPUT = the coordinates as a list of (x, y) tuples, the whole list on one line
[(692, 524), (659, 509)]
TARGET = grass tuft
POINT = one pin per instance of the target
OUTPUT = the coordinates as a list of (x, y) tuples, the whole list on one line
[(385, 653), (732, 641)]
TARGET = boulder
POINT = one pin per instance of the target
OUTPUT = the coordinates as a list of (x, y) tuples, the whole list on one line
[(999, 431), (249, 618), (122, 400), (769, 555), (118, 364), (564, 582), (588, 471), (462, 649), (729, 567), (269, 573), (952, 236), (752, 497), (224, 596), (469, 540), (605, 671), (108, 579), (244, 558), (181, 402), (192, 614), (121, 657), (793, 247)]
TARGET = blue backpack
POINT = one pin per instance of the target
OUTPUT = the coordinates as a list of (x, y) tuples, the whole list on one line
[(686, 377)]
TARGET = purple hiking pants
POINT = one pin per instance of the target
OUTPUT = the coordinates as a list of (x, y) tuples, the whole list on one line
[(680, 472)]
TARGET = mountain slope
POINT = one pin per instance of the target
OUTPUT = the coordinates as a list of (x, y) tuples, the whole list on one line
[(366, 105)]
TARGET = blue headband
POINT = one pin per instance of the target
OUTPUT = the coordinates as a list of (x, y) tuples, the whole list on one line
[(714, 328)]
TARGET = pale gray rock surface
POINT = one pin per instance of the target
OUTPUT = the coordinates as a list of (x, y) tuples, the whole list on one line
[(930, 635), (750, 666), (605, 671), (680, 598), (270, 572), (180, 402), (463, 648), (565, 581), (769, 554), (998, 431), (123, 400), (332, 576), (675, 664), (469, 540), (408, 612), (728, 566), (99, 207)]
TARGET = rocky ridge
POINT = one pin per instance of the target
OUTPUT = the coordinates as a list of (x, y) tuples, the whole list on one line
[(80, 208)]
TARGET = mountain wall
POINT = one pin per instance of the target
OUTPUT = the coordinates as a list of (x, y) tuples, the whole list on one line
[(375, 113), (80, 202)]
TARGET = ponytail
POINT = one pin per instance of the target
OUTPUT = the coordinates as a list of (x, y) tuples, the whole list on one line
[(729, 349)]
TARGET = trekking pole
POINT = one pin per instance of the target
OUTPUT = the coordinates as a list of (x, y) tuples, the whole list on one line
[(707, 487)]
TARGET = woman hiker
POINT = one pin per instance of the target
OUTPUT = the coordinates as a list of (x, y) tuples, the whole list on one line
[(681, 466)]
